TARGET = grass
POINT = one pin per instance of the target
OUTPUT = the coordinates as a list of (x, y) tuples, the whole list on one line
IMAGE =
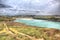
[(25, 32)]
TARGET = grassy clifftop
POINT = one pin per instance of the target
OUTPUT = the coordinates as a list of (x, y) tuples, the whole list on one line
[(19, 31)]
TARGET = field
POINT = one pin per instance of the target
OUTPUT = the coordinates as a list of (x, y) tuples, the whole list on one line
[(19, 31)]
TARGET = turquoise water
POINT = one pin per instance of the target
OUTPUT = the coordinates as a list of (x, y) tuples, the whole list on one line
[(40, 23)]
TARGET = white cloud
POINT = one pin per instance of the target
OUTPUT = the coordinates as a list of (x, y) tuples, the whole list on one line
[(45, 5), (52, 6)]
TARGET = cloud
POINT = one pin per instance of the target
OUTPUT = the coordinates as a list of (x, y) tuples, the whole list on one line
[(46, 6)]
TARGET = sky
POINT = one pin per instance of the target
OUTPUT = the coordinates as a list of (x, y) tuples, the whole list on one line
[(30, 7)]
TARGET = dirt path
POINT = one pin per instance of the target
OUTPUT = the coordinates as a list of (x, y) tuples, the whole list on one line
[(14, 33)]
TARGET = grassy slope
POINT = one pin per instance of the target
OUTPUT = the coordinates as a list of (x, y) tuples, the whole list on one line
[(33, 32)]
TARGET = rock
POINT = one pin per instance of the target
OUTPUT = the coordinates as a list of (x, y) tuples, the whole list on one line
[(57, 35), (41, 39)]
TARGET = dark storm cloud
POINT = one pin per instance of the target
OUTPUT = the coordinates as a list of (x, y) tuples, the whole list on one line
[(3, 5)]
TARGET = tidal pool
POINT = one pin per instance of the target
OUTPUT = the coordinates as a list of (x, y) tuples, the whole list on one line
[(39, 23)]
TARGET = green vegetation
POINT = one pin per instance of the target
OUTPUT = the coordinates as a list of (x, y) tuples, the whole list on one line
[(10, 18), (24, 32), (51, 18), (5, 18)]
